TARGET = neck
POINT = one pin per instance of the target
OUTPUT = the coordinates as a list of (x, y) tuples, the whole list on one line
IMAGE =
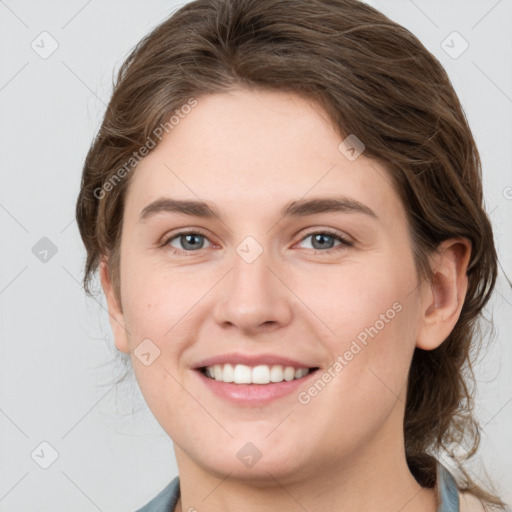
[(375, 478)]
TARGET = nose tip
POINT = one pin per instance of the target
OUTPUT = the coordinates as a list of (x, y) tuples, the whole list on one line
[(252, 298)]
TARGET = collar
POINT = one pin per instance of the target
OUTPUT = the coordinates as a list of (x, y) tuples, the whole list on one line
[(447, 493)]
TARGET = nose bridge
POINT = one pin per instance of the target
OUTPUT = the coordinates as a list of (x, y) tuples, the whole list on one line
[(252, 295)]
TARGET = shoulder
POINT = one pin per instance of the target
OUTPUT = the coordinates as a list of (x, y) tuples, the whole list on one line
[(166, 500), (470, 503)]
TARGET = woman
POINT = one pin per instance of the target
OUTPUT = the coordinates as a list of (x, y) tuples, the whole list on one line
[(285, 207)]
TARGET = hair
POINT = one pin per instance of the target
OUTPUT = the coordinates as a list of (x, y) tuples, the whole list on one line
[(374, 79)]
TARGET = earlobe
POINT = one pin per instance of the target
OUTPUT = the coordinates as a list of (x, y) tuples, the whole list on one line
[(115, 312), (442, 303)]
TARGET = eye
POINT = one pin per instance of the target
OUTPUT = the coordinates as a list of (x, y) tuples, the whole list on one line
[(323, 241), (188, 241), (191, 241)]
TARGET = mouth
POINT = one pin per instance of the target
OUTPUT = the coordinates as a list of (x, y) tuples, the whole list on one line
[(245, 386)]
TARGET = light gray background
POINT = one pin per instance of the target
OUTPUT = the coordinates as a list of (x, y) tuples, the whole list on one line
[(56, 353)]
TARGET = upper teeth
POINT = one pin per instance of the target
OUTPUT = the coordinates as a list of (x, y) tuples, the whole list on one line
[(262, 374)]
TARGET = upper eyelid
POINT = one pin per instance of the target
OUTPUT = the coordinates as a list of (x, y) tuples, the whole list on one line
[(194, 231)]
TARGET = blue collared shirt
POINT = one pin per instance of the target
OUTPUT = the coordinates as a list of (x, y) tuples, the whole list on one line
[(446, 490)]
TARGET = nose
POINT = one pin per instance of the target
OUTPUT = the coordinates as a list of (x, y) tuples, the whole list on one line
[(253, 297)]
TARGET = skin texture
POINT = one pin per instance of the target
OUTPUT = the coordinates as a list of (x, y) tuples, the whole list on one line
[(249, 153)]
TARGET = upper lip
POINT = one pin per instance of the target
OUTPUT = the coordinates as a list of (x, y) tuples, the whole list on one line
[(251, 360)]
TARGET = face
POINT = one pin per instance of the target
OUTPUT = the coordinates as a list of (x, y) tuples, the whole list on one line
[(276, 271)]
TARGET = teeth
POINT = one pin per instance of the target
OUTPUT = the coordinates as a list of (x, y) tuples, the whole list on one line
[(259, 375), (262, 374)]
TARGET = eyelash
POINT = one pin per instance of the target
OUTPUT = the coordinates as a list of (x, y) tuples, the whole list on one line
[(343, 245)]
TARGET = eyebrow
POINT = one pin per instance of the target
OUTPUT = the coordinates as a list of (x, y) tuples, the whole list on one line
[(300, 208)]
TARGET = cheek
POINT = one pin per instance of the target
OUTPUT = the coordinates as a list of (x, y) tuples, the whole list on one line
[(372, 319), (347, 301), (161, 307), (153, 300)]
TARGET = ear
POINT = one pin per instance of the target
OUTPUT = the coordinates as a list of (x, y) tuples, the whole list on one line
[(115, 312), (442, 301)]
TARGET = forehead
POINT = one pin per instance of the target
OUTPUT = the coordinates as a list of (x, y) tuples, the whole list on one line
[(255, 151)]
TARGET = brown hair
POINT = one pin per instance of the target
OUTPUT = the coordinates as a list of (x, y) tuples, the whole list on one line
[(374, 79)]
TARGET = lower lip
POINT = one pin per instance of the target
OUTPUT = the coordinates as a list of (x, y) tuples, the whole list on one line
[(254, 394)]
